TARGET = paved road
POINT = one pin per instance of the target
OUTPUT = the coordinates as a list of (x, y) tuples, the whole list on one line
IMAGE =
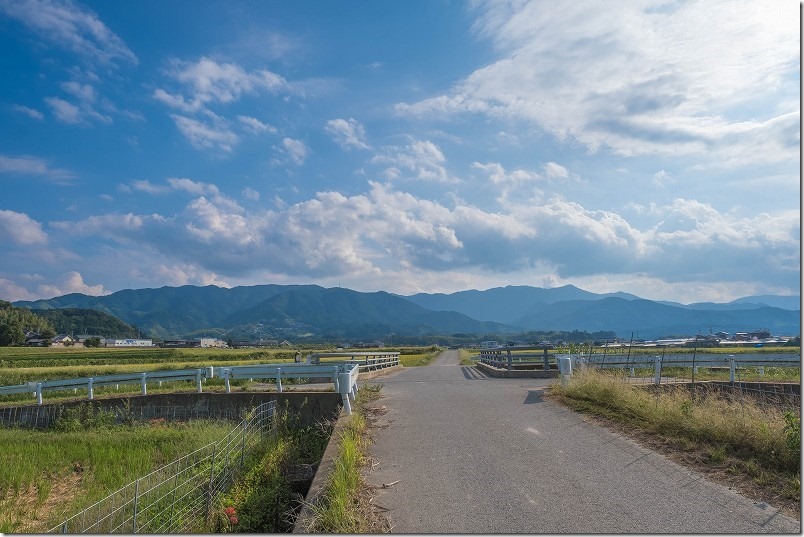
[(475, 454)]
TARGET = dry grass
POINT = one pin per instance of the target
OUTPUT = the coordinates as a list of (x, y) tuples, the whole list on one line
[(737, 442)]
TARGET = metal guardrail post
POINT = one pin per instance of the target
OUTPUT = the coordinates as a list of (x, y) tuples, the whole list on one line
[(198, 380), (144, 383), (279, 380), (226, 375), (657, 368), (38, 393), (91, 388)]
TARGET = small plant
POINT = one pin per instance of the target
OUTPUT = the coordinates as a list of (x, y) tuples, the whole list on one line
[(717, 454), (792, 432)]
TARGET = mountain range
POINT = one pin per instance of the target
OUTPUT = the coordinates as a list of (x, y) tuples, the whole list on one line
[(288, 311)]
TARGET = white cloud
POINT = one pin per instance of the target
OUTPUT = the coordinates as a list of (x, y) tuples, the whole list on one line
[(295, 150), (555, 171), (640, 78), (251, 194), (255, 125), (347, 133), (71, 282), (30, 112), (64, 111), (21, 229), (28, 165), (207, 81), (148, 187), (71, 26), (384, 233), (422, 158), (214, 134), (197, 188)]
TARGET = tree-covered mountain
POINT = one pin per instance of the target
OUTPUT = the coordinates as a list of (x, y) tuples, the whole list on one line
[(267, 311), (311, 311), (87, 321)]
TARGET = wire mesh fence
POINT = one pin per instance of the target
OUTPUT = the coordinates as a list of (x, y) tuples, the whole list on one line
[(44, 417), (177, 497)]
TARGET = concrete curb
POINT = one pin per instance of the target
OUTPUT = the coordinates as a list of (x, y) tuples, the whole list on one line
[(316, 490)]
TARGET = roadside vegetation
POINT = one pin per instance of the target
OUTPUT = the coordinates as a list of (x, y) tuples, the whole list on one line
[(756, 449), (267, 497), (416, 356), (47, 476), (345, 506)]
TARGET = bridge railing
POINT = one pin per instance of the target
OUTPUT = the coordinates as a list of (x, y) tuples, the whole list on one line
[(508, 356), (343, 376), (366, 361)]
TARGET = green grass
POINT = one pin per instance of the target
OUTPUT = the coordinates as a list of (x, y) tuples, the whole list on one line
[(755, 439), (418, 357), (344, 507), (46, 476)]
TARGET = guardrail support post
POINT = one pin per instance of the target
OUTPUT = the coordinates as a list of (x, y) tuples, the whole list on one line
[(144, 383), (198, 380), (91, 388), (38, 393), (279, 379), (510, 360), (226, 380), (546, 361), (335, 380), (657, 367), (732, 368)]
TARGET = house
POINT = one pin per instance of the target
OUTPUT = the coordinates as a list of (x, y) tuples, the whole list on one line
[(63, 340)]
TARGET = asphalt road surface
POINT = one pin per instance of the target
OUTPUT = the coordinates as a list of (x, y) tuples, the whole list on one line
[(475, 454)]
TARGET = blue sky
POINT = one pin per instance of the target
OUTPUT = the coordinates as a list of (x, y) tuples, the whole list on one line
[(651, 147)]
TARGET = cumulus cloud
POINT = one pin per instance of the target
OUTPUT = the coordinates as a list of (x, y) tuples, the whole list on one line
[(207, 81), (640, 78), (71, 282), (21, 229), (347, 133), (421, 159), (68, 25)]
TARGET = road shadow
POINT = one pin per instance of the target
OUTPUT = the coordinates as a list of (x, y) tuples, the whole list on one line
[(534, 396), (471, 373)]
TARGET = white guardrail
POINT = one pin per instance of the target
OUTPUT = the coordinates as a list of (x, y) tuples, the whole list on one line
[(342, 374)]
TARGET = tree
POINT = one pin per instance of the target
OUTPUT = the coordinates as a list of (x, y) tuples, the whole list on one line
[(92, 342), (11, 334)]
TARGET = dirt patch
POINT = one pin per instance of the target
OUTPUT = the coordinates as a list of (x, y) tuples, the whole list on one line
[(729, 472), (16, 509)]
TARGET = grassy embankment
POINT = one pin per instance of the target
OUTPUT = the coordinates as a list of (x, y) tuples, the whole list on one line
[(755, 448), (47, 476)]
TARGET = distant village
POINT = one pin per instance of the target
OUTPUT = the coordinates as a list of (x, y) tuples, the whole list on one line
[(757, 338)]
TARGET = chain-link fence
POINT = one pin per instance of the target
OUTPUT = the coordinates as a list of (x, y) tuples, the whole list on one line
[(177, 497)]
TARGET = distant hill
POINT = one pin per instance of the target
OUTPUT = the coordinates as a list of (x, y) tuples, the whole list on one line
[(775, 301), (651, 320), (299, 311), (86, 321), (505, 304)]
